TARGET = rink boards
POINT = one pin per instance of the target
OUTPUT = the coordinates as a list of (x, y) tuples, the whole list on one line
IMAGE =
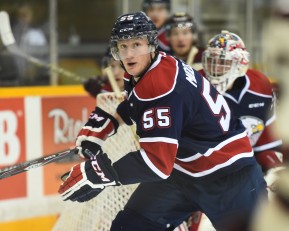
[(37, 121)]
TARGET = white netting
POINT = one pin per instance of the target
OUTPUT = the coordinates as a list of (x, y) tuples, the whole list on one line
[(98, 213)]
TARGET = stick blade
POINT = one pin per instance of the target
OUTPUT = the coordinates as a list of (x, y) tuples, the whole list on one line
[(5, 29)]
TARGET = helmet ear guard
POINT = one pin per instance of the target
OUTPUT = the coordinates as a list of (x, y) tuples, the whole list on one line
[(225, 59)]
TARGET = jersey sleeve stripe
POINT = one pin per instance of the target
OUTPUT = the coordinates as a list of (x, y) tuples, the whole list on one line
[(267, 139), (151, 165), (268, 146), (159, 156), (259, 94), (271, 120), (216, 167), (102, 132), (219, 158), (212, 150), (159, 139)]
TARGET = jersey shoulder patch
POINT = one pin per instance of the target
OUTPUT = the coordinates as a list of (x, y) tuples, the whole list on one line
[(159, 80), (259, 83)]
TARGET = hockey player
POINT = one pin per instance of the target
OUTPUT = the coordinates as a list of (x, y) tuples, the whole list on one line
[(159, 12), (183, 39), (193, 156), (249, 95), (247, 91), (100, 84)]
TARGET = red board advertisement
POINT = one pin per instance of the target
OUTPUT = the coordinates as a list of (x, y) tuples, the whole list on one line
[(62, 118), (12, 146)]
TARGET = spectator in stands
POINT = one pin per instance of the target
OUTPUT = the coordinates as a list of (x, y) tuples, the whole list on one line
[(28, 38)]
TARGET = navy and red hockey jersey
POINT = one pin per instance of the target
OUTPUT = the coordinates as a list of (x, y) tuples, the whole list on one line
[(183, 123), (251, 99)]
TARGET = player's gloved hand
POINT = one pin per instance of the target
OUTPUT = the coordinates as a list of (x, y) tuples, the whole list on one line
[(87, 179), (99, 126), (272, 176), (93, 85)]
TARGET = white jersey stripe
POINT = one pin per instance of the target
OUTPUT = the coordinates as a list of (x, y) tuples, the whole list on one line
[(268, 146), (216, 167), (211, 150), (159, 139), (259, 94), (271, 120), (151, 165)]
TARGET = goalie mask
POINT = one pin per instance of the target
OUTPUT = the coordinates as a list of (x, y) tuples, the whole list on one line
[(133, 26), (225, 59)]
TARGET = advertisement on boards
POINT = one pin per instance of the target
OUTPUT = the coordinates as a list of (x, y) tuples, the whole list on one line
[(12, 146), (62, 118)]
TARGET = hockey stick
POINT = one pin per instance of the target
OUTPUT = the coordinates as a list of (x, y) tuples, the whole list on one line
[(113, 83), (8, 41), (192, 54), (25, 166), (120, 98)]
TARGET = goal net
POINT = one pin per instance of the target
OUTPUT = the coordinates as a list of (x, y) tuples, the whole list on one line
[(98, 213)]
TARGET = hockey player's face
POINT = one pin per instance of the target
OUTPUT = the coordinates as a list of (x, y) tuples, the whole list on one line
[(218, 66), (158, 15), (181, 40), (135, 55)]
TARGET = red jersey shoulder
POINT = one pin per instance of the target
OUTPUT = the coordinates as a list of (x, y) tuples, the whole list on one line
[(202, 72), (159, 80), (259, 83), (127, 76), (163, 37)]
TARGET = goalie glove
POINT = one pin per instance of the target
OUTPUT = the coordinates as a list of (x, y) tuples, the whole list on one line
[(99, 126), (87, 179)]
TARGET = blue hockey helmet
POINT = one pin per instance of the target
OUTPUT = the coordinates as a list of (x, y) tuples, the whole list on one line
[(133, 26), (150, 3)]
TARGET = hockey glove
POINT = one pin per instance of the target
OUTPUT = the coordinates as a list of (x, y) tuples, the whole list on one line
[(99, 126), (93, 85), (87, 179)]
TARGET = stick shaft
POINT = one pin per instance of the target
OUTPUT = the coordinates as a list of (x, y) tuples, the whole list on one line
[(27, 165), (113, 83), (120, 98)]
